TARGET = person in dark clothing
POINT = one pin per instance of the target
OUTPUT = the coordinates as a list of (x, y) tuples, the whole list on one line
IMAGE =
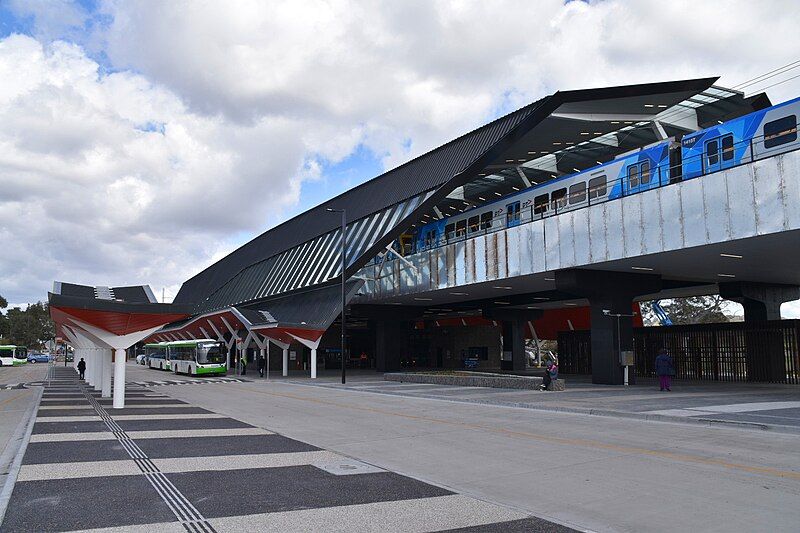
[(262, 365), (81, 367), (665, 369), (243, 362)]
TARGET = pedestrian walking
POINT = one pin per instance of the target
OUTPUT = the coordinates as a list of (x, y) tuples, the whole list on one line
[(665, 369), (243, 361), (81, 367), (262, 365)]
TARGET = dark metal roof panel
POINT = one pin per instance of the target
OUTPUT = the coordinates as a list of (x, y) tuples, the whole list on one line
[(312, 309), (421, 174)]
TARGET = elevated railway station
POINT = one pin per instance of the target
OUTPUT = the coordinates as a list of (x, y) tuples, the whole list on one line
[(558, 217)]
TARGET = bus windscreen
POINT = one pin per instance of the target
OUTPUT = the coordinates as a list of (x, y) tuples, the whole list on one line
[(209, 354)]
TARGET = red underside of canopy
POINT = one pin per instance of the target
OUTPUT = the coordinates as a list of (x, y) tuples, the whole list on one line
[(111, 321)]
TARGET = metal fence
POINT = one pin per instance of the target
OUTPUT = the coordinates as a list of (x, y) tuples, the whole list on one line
[(755, 352)]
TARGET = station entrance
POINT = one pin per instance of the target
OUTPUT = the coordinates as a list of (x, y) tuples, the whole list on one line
[(765, 352)]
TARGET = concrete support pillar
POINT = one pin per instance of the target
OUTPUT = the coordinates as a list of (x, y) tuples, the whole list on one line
[(761, 301), (106, 381), (765, 351), (119, 379), (313, 363), (391, 343), (514, 342), (609, 293), (285, 362)]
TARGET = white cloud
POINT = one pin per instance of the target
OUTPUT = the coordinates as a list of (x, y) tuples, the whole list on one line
[(217, 112)]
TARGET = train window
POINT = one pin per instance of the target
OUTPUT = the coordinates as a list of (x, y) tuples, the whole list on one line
[(461, 228), (449, 231), (781, 131), (473, 223), (712, 152), (597, 187), (540, 204), (644, 174), (727, 148), (512, 213), (486, 220), (430, 238), (558, 198), (577, 193), (633, 175)]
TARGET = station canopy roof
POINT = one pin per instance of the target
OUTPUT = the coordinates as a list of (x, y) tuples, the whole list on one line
[(565, 132), (115, 310)]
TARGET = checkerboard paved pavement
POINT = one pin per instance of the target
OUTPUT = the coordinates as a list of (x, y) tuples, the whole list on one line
[(161, 464)]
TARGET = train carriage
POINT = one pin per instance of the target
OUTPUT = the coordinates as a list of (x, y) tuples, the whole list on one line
[(764, 133)]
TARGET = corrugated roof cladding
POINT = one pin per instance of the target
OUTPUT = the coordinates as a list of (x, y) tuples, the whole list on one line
[(419, 175)]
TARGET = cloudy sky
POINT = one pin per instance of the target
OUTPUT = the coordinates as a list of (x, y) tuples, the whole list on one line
[(140, 141)]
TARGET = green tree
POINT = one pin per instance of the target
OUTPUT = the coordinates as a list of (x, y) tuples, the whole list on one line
[(3, 321), (30, 327), (691, 310)]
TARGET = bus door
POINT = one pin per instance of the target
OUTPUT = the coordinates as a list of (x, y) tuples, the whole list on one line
[(512, 214)]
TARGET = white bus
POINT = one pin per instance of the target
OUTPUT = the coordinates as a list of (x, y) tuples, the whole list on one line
[(197, 357), (11, 355), (157, 355)]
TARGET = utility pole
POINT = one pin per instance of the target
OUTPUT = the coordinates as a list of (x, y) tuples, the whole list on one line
[(344, 266)]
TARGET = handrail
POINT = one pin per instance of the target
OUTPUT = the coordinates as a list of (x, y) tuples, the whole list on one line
[(665, 178)]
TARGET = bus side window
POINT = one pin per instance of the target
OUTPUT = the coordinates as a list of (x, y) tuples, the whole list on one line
[(597, 187), (633, 175), (712, 152), (486, 220), (449, 231), (559, 198), (781, 131), (577, 193), (473, 223), (540, 204), (644, 175), (461, 228)]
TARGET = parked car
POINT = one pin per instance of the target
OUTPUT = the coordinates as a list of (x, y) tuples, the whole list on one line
[(141, 359), (38, 358)]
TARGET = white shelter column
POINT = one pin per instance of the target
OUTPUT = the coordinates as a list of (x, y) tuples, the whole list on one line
[(285, 361), (89, 359), (119, 378), (313, 363), (98, 368), (105, 355)]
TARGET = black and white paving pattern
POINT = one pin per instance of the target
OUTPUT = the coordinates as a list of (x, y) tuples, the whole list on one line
[(162, 464)]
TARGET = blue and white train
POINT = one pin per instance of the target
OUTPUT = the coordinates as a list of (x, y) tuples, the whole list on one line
[(764, 133)]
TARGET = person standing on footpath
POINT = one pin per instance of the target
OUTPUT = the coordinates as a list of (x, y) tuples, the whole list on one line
[(81, 367), (262, 365), (665, 369)]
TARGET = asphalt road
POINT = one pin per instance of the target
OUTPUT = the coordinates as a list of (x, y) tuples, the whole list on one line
[(588, 472)]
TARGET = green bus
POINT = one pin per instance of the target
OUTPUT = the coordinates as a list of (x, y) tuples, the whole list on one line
[(12, 355), (197, 357), (156, 354)]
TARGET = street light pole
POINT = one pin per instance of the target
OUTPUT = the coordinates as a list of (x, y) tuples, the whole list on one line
[(344, 266)]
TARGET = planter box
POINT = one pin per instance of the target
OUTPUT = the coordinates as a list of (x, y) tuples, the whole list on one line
[(477, 379)]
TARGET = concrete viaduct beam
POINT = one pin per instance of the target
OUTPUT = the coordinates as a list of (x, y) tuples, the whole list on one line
[(609, 293)]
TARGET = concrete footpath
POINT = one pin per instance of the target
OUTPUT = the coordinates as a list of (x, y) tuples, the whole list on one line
[(756, 406), (590, 472), (164, 464)]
